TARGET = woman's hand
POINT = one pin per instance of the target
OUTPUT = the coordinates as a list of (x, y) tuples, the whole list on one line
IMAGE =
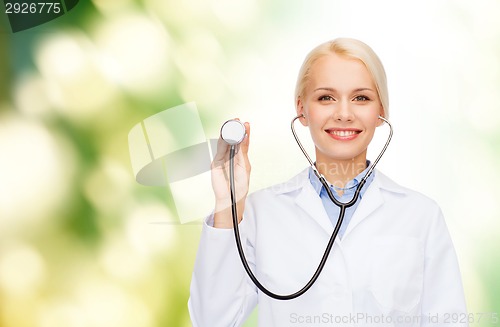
[(220, 180)]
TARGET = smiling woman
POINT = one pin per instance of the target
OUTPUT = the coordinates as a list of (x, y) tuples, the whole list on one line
[(394, 257)]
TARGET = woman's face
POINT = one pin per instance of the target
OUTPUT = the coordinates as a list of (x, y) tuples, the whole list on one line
[(341, 107)]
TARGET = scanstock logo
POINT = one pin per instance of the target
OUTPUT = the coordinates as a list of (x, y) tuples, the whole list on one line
[(24, 14)]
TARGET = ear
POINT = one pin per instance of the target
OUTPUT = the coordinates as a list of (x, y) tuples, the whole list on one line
[(381, 113), (299, 106)]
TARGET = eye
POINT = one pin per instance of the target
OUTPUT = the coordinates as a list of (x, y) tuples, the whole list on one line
[(326, 98), (361, 98)]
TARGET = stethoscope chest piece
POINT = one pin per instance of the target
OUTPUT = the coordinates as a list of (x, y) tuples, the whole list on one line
[(233, 132)]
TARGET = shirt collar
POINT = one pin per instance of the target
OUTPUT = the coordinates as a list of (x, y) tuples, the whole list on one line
[(351, 185)]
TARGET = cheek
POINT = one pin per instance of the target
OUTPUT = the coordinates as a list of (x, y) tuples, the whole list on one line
[(370, 119), (316, 117), (375, 121)]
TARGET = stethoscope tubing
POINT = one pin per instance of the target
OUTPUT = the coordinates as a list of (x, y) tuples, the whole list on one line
[(343, 207)]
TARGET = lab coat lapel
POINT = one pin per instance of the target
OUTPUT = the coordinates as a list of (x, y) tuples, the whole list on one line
[(309, 201), (306, 198), (372, 200)]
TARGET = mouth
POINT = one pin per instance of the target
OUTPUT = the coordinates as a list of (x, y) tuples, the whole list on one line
[(343, 134)]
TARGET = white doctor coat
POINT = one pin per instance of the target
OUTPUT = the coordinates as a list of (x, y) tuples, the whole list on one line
[(394, 266)]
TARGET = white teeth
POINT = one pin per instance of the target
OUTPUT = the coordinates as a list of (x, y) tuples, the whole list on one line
[(343, 133)]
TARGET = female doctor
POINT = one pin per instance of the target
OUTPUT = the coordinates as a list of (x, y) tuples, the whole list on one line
[(393, 263)]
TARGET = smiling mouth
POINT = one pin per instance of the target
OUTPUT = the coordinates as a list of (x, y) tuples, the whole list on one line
[(343, 134)]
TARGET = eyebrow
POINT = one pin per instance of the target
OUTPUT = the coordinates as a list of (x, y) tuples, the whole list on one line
[(334, 90)]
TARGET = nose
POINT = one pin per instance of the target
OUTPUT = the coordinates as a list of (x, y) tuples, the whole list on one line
[(342, 111)]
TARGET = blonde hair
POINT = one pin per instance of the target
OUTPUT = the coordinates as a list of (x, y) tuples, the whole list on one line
[(350, 48)]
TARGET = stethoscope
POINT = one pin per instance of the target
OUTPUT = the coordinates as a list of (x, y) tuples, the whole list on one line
[(233, 133)]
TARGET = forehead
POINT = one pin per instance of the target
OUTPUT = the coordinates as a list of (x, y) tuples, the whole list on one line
[(339, 72)]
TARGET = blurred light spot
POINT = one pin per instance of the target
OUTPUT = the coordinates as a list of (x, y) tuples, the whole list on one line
[(108, 186), (106, 305), (62, 56), (199, 57), (22, 269), (34, 174), (60, 313), (234, 13), (147, 230), (134, 50), (198, 51), (120, 261), (75, 84), (208, 91), (31, 96)]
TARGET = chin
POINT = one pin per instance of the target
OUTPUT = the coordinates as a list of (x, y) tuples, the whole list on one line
[(342, 155)]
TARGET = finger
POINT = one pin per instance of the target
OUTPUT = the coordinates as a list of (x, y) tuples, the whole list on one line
[(242, 155), (244, 144), (222, 150), (244, 147), (246, 141)]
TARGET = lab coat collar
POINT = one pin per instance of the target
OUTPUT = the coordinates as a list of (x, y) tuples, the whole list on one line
[(306, 198), (302, 179)]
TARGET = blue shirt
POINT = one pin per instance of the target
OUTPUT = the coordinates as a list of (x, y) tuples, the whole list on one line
[(332, 210)]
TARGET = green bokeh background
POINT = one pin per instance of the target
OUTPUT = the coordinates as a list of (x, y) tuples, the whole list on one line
[(83, 245)]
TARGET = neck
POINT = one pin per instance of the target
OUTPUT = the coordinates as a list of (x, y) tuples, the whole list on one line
[(339, 172)]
